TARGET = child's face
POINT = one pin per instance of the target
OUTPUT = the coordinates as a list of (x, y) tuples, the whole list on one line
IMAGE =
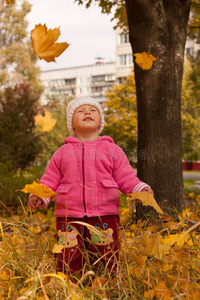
[(86, 118)]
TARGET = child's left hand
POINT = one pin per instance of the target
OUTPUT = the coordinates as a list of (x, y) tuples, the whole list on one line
[(148, 189)]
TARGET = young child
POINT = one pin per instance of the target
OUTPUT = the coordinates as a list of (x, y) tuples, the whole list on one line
[(87, 172)]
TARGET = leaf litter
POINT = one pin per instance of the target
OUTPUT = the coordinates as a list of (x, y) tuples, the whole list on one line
[(158, 260)]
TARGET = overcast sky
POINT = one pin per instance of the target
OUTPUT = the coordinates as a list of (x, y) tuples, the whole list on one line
[(89, 33)]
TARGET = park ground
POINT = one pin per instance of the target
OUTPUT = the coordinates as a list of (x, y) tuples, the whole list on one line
[(159, 259)]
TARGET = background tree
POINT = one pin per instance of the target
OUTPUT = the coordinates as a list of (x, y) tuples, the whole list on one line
[(19, 143), (15, 46), (191, 109), (120, 110), (20, 90), (159, 27)]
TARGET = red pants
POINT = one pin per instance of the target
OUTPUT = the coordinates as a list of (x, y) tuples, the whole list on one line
[(97, 243)]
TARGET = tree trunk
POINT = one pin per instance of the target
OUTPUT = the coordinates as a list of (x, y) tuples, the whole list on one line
[(160, 27)]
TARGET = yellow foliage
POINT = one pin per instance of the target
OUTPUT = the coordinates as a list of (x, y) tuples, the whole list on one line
[(144, 60), (44, 42), (146, 199), (154, 246), (46, 122), (162, 292), (39, 190), (158, 256)]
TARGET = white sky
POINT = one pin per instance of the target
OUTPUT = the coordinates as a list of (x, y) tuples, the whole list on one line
[(89, 33)]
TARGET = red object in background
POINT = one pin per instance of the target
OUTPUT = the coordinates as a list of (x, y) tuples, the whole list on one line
[(191, 166), (196, 166)]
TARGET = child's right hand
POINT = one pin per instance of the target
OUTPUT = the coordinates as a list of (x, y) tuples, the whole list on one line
[(34, 202)]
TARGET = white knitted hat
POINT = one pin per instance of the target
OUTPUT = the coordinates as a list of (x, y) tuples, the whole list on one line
[(75, 103)]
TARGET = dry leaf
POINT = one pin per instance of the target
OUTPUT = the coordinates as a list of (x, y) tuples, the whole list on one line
[(44, 42), (162, 292), (39, 190), (140, 259), (154, 246), (146, 199), (35, 229), (144, 60), (149, 294), (46, 122)]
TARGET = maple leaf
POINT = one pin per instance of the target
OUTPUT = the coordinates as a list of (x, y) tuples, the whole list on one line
[(46, 122), (38, 190), (146, 199), (162, 292), (154, 246), (44, 43), (144, 60)]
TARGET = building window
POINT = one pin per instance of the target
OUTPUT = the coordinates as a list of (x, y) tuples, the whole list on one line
[(126, 60), (98, 78), (124, 38), (122, 60), (189, 51), (70, 81), (110, 77), (130, 59)]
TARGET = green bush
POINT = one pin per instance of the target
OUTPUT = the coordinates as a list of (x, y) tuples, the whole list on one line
[(11, 182)]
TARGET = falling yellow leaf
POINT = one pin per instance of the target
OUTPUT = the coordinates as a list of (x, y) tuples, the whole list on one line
[(144, 60), (44, 42), (46, 122), (39, 190), (146, 199), (57, 248)]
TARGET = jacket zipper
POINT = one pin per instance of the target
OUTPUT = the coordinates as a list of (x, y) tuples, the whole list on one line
[(83, 175)]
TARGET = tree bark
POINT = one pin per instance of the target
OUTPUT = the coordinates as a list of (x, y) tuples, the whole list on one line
[(160, 27)]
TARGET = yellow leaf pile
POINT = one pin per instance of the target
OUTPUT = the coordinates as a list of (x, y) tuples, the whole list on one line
[(44, 42), (159, 260), (46, 122), (144, 60), (146, 199), (39, 190)]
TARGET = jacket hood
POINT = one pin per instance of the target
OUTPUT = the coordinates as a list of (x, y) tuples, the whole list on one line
[(72, 139)]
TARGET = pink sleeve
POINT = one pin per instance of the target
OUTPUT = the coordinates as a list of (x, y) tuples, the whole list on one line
[(139, 187), (124, 174)]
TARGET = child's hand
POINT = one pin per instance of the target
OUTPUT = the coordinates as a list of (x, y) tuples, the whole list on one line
[(34, 202), (148, 189)]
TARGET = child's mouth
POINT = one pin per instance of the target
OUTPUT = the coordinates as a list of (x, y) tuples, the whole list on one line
[(88, 119)]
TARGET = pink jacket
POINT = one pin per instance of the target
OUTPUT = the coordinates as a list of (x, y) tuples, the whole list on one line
[(87, 177)]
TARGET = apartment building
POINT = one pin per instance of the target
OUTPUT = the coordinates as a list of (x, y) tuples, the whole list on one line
[(94, 80)]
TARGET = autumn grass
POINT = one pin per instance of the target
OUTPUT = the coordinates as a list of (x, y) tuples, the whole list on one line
[(158, 260)]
